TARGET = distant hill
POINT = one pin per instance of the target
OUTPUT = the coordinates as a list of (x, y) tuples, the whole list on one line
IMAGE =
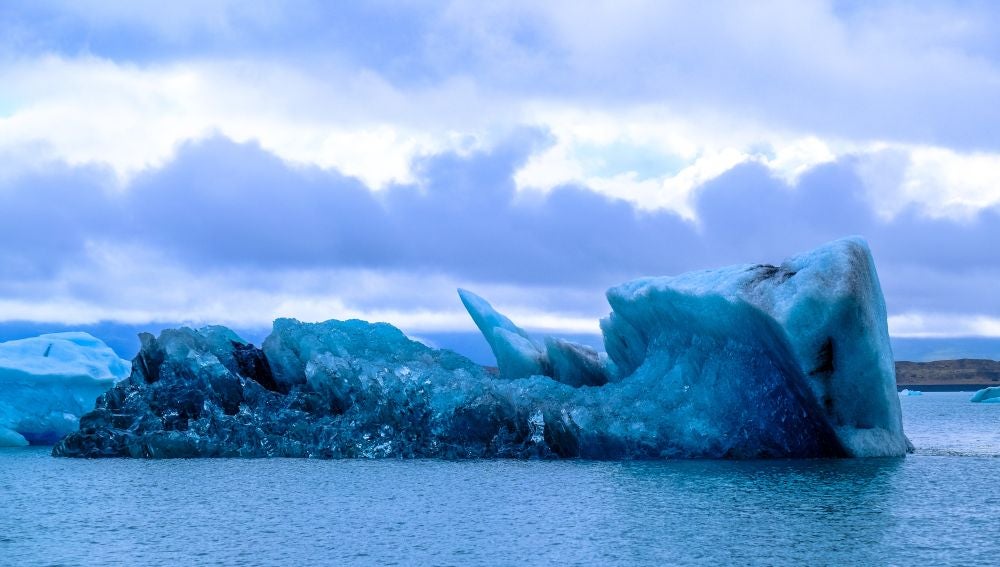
[(962, 374)]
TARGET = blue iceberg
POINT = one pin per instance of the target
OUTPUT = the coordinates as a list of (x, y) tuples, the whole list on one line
[(519, 355), (47, 382), (749, 361), (989, 395), (818, 318)]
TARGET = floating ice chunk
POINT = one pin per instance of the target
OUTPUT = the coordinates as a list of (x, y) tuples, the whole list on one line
[(486, 317), (829, 310), (989, 395), (907, 392), (10, 438), (517, 354), (48, 381), (722, 375), (333, 389), (518, 357)]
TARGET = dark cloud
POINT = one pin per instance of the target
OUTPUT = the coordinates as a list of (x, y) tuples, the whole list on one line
[(47, 217), (225, 203), (220, 205)]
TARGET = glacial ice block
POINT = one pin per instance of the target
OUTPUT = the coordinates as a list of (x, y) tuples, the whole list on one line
[(11, 438), (47, 382), (517, 354), (743, 362), (989, 395), (576, 365), (828, 309), (356, 389), (333, 389)]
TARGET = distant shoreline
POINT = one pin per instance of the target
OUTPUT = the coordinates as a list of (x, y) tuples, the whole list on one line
[(962, 375), (970, 388)]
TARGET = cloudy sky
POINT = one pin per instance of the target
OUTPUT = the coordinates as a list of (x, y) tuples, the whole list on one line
[(219, 162)]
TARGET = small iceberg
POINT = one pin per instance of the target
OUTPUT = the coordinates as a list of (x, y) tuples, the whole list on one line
[(987, 396), (48, 382), (906, 392)]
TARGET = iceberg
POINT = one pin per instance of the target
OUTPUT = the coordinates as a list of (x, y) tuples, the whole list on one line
[(519, 355), (10, 438), (989, 395), (751, 361), (822, 313), (48, 381), (906, 392)]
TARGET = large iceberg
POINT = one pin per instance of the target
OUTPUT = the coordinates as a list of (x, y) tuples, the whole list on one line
[(47, 382), (989, 395), (821, 313), (744, 362)]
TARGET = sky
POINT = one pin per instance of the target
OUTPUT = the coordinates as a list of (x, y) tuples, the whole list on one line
[(231, 162)]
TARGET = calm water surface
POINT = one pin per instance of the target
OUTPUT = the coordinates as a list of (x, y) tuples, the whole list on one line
[(940, 506)]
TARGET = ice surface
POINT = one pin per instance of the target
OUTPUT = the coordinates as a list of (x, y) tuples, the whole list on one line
[(519, 356), (10, 438), (828, 311), (987, 395), (47, 382), (743, 362), (333, 389), (576, 365), (356, 389)]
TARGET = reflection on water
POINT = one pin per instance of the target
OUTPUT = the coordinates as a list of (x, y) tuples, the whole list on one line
[(925, 509)]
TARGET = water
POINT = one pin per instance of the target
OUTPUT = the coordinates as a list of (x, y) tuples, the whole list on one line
[(940, 506)]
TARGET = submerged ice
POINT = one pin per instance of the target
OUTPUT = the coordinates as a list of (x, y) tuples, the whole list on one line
[(742, 362), (47, 382)]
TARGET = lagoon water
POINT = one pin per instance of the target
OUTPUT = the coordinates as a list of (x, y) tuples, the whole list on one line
[(939, 506)]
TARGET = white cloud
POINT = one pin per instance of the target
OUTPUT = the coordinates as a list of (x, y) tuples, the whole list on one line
[(135, 285), (951, 184), (128, 117), (940, 182), (654, 159), (90, 110), (794, 157), (929, 325)]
